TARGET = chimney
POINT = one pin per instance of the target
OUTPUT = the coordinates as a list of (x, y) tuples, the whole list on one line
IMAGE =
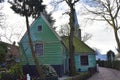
[(14, 43), (79, 34)]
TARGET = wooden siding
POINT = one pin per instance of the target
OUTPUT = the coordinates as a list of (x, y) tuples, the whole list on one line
[(52, 54), (91, 62), (53, 48), (46, 35)]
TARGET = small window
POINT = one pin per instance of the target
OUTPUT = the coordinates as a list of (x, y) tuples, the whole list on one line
[(39, 28), (39, 49), (84, 60)]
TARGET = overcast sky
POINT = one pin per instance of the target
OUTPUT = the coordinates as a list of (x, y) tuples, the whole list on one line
[(102, 39)]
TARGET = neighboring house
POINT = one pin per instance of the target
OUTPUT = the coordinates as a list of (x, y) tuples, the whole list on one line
[(12, 51), (52, 50), (110, 55)]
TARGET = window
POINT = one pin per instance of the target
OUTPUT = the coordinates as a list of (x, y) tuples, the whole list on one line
[(39, 28), (84, 60), (39, 49)]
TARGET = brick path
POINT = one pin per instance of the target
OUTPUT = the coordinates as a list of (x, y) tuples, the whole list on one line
[(106, 74)]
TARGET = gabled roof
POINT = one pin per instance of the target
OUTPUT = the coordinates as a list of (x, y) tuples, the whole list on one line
[(42, 17), (80, 46)]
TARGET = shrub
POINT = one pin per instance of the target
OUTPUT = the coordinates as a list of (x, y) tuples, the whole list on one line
[(14, 73), (105, 64), (8, 76), (114, 64)]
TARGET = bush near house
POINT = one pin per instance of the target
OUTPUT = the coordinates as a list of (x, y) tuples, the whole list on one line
[(105, 64), (50, 73), (116, 65), (13, 73)]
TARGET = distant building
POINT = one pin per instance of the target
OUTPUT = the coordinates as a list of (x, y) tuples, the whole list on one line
[(12, 51)]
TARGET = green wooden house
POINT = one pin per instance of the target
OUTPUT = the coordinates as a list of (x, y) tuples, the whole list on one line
[(48, 47), (52, 50), (84, 56)]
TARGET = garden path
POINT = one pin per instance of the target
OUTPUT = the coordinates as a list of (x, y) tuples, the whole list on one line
[(106, 74)]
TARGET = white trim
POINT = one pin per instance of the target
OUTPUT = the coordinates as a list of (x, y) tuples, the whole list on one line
[(42, 25)]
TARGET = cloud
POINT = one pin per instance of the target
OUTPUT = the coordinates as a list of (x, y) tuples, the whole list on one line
[(102, 39)]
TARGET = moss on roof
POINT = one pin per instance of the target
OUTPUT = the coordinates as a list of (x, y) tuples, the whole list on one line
[(80, 46)]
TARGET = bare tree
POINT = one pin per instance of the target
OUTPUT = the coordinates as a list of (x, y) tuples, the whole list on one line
[(10, 34), (71, 4), (7, 32), (71, 13), (2, 19), (86, 37), (1, 16), (109, 11), (65, 31)]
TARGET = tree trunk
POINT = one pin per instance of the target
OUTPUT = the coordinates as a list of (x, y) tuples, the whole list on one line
[(39, 69), (115, 29), (117, 39), (71, 44)]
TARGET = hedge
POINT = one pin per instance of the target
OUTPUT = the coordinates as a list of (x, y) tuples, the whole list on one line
[(114, 64)]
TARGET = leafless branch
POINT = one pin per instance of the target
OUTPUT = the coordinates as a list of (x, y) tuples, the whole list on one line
[(118, 28), (118, 9), (96, 19), (86, 37), (107, 20), (67, 12), (14, 4), (55, 4), (76, 1)]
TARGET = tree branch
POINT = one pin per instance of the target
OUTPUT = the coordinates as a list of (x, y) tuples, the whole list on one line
[(67, 1), (76, 1), (107, 20), (14, 4), (118, 9), (118, 28), (55, 4), (96, 19)]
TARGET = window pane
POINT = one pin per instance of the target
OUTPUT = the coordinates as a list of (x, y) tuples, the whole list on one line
[(39, 28), (84, 60), (39, 49)]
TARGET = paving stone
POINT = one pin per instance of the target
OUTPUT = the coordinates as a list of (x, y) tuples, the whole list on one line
[(106, 74)]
